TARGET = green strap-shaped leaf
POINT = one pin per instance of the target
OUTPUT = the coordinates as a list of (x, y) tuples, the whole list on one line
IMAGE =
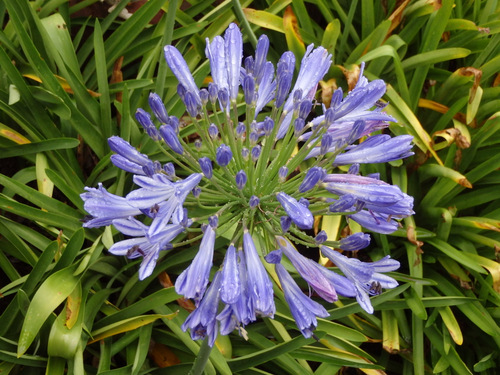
[(48, 297)]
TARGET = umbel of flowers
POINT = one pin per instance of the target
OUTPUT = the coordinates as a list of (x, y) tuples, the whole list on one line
[(245, 179)]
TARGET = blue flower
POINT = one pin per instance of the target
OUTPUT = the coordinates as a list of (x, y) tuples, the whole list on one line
[(354, 242), (230, 286), (181, 71), (159, 188), (171, 138), (223, 155), (304, 309), (314, 66), (142, 244), (309, 270), (379, 148), (193, 281), (299, 214), (105, 207), (367, 277), (128, 158), (233, 44), (202, 321), (260, 288), (158, 108)]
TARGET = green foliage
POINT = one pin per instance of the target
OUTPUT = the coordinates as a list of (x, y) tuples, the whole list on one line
[(64, 90)]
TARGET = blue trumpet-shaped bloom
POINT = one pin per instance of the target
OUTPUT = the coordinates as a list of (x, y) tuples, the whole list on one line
[(304, 309), (193, 281), (202, 321), (105, 207), (367, 277), (142, 244), (260, 288)]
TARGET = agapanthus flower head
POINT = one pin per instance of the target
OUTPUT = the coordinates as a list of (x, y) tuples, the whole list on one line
[(241, 187)]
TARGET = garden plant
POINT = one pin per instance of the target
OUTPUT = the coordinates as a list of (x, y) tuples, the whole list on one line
[(250, 187)]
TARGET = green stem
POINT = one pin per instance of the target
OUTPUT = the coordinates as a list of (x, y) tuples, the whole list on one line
[(201, 359)]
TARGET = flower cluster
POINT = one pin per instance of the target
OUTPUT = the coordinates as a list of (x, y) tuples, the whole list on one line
[(245, 177)]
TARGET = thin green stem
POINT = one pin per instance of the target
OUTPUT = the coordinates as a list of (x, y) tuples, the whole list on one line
[(201, 359)]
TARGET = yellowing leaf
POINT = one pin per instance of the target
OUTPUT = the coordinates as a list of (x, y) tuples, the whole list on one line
[(63, 83), (264, 19), (126, 325), (14, 136)]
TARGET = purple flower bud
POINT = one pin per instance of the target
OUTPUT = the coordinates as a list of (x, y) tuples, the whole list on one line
[(283, 173), (193, 104), (297, 95), (260, 57), (224, 99), (245, 153), (213, 221), (254, 137), (285, 223), (326, 143), (213, 92), (274, 257), (284, 76), (379, 148), (356, 241), (241, 179), (343, 204), (256, 152), (305, 108), (223, 155), (158, 108), (299, 125), (206, 167), (249, 64), (304, 202), (313, 176), (213, 131), (181, 71), (196, 191), (181, 91), (149, 169), (356, 131), (336, 98), (240, 130), (299, 214), (329, 116), (143, 118), (171, 138), (204, 96), (254, 201), (173, 121), (198, 144), (354, 169), (123, 148), (320, 237), (249, 89), (169, 169), (268, 126)]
